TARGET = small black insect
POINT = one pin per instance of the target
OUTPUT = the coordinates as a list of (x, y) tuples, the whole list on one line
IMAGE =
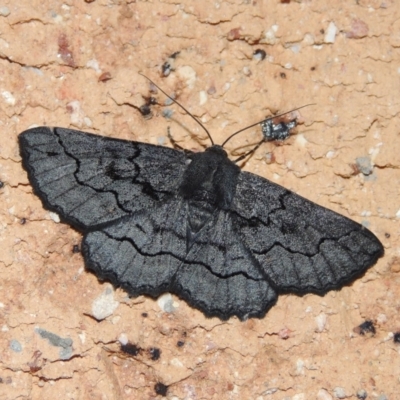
[(396, 337), (76, 249), (158, 220), (280, 131), (1, 184)]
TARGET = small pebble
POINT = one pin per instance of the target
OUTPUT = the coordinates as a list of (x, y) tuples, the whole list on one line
[(15, 346), (104, 305)]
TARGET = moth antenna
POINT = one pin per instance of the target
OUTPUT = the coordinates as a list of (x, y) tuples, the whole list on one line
[(260, 122), (242, 157), (183, 108)]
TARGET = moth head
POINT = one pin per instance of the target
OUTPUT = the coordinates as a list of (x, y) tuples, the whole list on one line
[(217, 149)]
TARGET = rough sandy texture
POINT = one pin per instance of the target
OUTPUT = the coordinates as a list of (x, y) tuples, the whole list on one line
[(75, 64)]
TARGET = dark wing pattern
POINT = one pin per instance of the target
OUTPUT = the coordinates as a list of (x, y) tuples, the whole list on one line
[(146, 253), (90, 180), (300, 246)]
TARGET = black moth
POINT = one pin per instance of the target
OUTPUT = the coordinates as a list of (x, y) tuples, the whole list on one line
[(157, 220)]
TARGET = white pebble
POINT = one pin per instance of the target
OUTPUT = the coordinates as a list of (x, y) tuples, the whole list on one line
[(166, 303), (8, 97), (54, 216), (104, 305), (4, 11), (339, 392), (330, 33), (321, 322)]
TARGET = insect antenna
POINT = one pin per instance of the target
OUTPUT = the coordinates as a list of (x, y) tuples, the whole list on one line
[(243, 156), (183, 108)]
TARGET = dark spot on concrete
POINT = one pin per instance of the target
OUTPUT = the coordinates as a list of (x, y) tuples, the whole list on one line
[(134, 350), (259, 54), (155, 353), (34, 364), (233, 34), (104, 77), (64, 51), (161, 389), (362, 394), (145, 110), (131, 349), (366, 328)]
